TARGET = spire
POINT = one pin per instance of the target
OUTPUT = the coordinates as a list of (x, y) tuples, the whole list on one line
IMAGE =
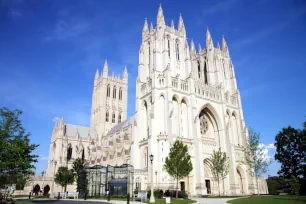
[(172, 24), (151, 27), (125, 73), (209, 41), (105, 69), (200, 48), (160, 16), (218, 46), (192, 47), (224, 46), (145, 29), (181, 26), (97, 74)]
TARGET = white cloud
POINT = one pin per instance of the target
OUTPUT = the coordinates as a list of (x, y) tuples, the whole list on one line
[(42, 157), (55, 119), (270, 146)]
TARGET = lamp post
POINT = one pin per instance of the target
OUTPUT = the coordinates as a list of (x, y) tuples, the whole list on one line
[(152, 199), (156, 180), (55, 162)]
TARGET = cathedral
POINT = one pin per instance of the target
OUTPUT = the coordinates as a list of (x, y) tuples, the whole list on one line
[(181, 93)]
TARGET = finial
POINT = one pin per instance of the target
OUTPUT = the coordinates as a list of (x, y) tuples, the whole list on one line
[(105, 69)]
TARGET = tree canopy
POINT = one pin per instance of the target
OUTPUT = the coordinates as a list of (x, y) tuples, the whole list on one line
[(178, 163), (290, 146), (64, 177), (255, 157), (16, 157), (219, 166), (80, 174)]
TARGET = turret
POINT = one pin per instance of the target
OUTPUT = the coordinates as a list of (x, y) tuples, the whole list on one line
[(209, 41), (160, 17), (172, 25), (145, 29), (200, 48), (96, 77), (181, 26), (218, 46), (125, 74), (192, 48), (224, 47), (105, 69)]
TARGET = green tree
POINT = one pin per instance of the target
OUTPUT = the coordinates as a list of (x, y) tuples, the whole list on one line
[(16, 157), (178, 163), (64, 177), (290, 146), (255, 157), (294, 185), (80, 175), (219, 166)]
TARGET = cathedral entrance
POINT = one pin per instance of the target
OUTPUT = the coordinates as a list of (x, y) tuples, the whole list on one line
[(182, 186), (240, 182), (207, 184)]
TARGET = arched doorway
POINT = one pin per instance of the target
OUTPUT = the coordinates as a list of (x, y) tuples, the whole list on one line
[(240, 180), (36, 189), (46, 190), (208, 176)]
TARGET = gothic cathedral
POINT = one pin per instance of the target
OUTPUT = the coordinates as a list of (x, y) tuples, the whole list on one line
[(181, 93)]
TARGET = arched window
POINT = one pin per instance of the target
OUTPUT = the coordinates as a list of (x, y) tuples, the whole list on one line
[(113, 118), (83, 155), (168, 39), (108, 91), (107, 116), (177, 50), (114, 92), (205, 73), (120, 94), (199, 69), (69, 152), (119, 118)]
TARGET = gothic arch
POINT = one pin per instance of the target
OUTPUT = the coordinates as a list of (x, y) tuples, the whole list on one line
[(212, 112), (241, 177), (69, 152), (176, 97), (184, 99)]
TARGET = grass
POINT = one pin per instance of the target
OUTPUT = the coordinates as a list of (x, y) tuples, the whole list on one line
[(270, 200), (23, 202)]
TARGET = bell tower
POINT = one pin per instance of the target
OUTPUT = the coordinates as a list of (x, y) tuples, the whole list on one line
[(109, 100)]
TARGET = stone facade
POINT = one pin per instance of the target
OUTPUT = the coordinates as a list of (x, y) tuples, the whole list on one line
[(180, 93)]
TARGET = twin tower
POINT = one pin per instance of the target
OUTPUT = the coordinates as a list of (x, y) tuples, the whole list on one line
[(109, 100)]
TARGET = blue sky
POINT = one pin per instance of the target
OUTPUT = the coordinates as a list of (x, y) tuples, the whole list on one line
[(50, 50)]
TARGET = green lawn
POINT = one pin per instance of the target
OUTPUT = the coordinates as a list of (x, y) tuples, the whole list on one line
[(23, 202), (270, 200)]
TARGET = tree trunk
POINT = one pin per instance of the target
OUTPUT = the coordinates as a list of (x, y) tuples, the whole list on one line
[(257, 185), (65, 188), (219, 186), (223, 187), (176, 188)]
